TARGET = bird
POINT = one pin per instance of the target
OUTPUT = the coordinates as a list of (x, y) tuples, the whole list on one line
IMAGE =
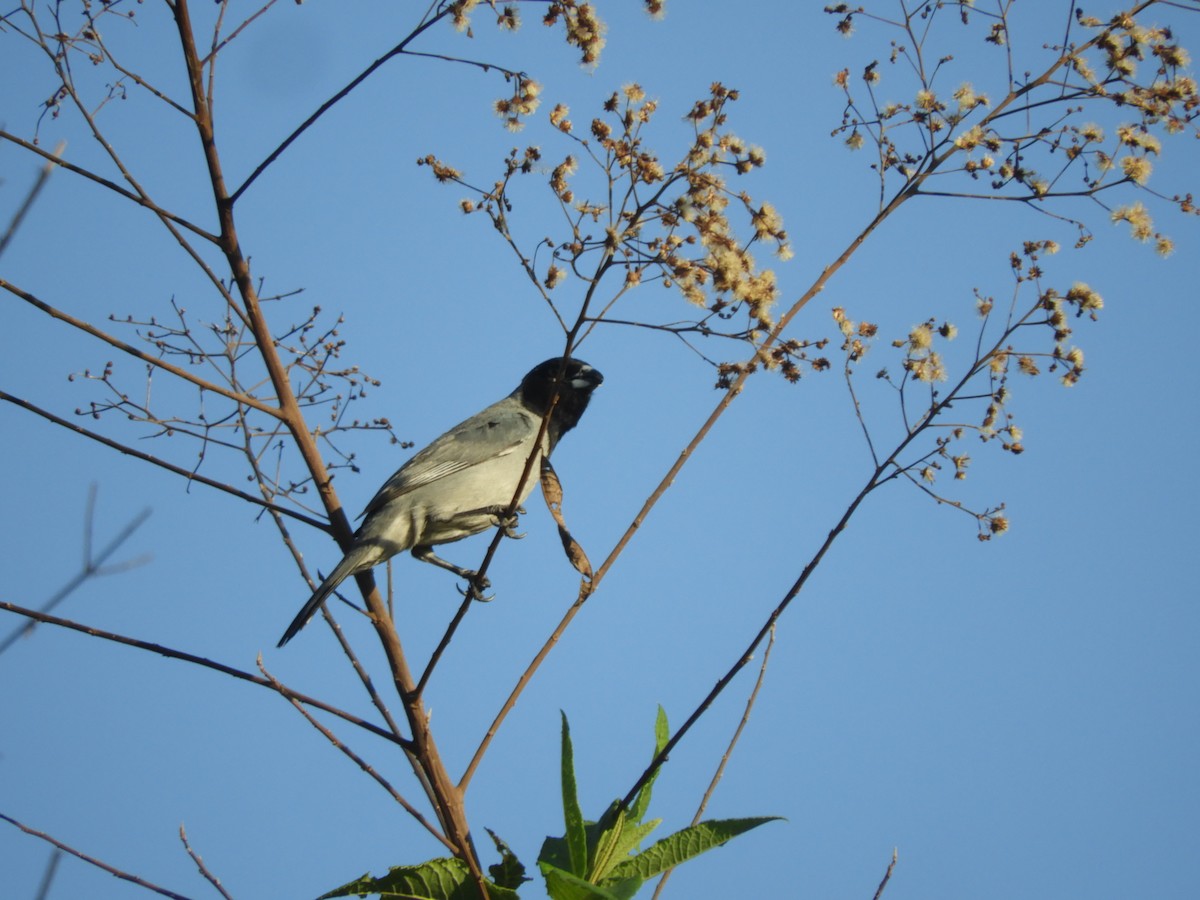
[(466, 480)]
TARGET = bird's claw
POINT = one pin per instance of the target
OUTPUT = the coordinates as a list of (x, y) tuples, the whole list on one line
[(507, 523), (476, 585)]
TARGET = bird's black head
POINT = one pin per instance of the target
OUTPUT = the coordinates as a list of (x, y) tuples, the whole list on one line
[(572, 380)]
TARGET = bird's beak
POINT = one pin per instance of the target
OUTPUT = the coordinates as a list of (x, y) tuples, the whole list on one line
[(587, 378)]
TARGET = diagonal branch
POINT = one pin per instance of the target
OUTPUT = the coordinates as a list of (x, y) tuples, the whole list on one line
[(172, 653), (360, 762), (86, 327), (140, 200), (336, 98), (162, 463), (204, 871), (93, 564), (933, 162), (91, 860), (27, 203)]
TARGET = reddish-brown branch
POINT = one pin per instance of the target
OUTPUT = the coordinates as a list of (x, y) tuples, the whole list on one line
[(424, 752)]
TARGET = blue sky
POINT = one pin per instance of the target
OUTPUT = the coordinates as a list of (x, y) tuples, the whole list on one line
[(1017, 717)]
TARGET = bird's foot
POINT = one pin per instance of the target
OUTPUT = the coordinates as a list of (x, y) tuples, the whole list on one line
[(476, 585), (507, 523)]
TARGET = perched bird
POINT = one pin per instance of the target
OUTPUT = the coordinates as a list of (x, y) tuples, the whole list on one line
[(464, 482)]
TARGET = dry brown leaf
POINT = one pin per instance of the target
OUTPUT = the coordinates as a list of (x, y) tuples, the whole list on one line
[(552, 491)]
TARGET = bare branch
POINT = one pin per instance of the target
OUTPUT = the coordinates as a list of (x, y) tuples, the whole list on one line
[(27, 203), (92, 565), (171, 653), (112, 186), (335, 99), (48, 875), (361, 763), (725, 757), (155, 361), (887, 876), (162, 463), (208, 876), (91, 860)]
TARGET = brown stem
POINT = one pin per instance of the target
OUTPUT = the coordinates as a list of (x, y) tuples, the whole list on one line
[(446, 797)]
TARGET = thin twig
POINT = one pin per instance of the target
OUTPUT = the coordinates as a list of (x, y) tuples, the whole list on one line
[(91, 567), (468, 600), (336, 98), (725, 757), (361, 763), (162, 463), (218, 47), (52, 159), (27, 204), (888, 874), (172, 653), (196, 858), (48, 874), (86, 327), (111, 870)]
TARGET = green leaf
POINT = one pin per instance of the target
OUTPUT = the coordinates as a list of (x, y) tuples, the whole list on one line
[(438, 879), (632, 835), (684, 845), (576, 837), (509, 872), (603, 854), (612, 838), (662, 733), (562, 885), (554, 849)]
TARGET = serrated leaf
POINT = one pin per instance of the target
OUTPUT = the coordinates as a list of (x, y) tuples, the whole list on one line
[(576, 837), (554, 849), (359, 886), (562, 885), (445, 878), (685, 844), (553, 494), (509, 872), (632, 835)]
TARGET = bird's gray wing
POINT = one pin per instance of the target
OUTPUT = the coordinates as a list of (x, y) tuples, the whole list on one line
[(496, 431)]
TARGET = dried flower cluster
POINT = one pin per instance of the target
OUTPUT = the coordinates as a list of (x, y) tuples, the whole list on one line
[(671, 224), (584, 29), (1009, 342), (1135, 74), (523, 102)]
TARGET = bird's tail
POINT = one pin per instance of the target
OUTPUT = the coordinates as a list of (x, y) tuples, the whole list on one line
[(343, 570)]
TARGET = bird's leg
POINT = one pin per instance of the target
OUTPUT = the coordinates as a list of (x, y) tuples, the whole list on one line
[(477, 583)]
